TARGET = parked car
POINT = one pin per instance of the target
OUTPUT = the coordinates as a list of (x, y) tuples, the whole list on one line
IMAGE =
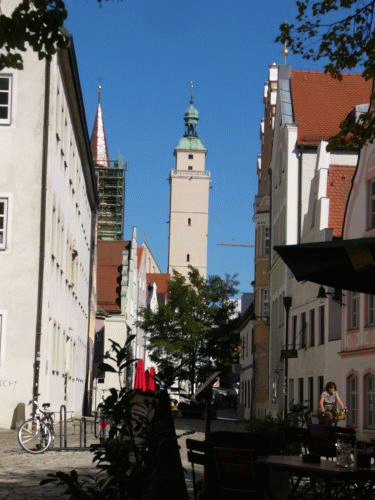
[(177, 395), (191, 408), (224, 397)]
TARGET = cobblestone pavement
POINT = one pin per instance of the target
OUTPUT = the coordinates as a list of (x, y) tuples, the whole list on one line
[(21, 472)]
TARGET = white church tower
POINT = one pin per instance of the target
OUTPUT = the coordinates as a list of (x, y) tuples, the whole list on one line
[(189, 200)]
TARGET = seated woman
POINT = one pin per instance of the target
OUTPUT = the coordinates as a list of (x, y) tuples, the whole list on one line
[(329, 402)]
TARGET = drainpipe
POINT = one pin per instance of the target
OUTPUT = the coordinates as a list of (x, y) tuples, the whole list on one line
[(42, 230), (299, 208)]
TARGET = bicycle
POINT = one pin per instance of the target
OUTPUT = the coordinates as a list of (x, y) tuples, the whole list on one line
[(37, 435), (102, 422), (299, 415)]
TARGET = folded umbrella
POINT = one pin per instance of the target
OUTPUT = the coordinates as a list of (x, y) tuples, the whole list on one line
[(151, 384), (140, 377)]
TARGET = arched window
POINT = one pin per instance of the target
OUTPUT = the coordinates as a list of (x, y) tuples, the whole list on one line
[(189, 221), (369, 400), (352, 399), (188, 257)]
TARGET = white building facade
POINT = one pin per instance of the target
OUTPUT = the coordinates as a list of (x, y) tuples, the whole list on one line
[(357, 350), (48, 202), (308, 186)]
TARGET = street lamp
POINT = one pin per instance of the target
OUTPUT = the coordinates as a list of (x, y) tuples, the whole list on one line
[(336, 294)]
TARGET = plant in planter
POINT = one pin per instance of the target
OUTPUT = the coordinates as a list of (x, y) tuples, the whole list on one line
[(125, 461), (276, 432)]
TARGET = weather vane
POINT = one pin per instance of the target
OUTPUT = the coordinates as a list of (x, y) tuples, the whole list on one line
[(99, 89), (192, 86)]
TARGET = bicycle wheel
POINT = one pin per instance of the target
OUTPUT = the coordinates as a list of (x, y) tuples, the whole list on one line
[(34, 436)]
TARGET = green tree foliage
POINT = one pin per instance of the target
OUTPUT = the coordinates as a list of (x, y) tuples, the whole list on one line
[(192, 334), (341, 33), (34, 23)]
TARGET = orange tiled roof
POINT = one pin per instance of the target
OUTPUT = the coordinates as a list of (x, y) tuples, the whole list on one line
[(338, 187), (320, 103), (161, 281), (109, 274)]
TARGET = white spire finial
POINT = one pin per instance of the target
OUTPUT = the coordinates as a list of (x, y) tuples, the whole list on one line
[(99, 90), (192, 86)]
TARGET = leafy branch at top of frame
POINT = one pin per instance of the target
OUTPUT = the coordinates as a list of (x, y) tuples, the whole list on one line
[(342, 34), (346, 40), (37, 24)]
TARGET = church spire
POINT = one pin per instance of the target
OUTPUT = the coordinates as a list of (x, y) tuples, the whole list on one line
[(191, 116), (190, 139), (99, 146)]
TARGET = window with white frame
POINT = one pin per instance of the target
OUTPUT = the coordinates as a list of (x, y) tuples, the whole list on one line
[(263, 241), (265, 304), (3, 223), (352, 399), (369, 400), (312, 327), (370, 309), (303, 330), (353, 310), (371, 204), (322, 323), (266, 241), (5, 99), (294, 331)]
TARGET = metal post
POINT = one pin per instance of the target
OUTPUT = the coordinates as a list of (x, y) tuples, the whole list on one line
[(287, 303), (82, 433), (63, 431)]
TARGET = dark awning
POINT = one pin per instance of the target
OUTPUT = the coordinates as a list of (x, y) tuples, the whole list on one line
[(343, 264)]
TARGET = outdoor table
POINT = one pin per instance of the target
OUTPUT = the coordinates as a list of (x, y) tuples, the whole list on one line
[(323, 480)]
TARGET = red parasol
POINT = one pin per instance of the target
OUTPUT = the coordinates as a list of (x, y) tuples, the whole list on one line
[(151, 385), (140, 377)]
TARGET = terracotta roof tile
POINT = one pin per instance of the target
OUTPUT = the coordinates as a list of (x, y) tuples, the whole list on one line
[(109, 274), (338, 187), (320, 102), (161, 280)]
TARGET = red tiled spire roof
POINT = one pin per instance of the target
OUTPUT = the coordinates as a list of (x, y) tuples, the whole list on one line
[(338, 187), (320, 103), (99, 146), (109, 274)]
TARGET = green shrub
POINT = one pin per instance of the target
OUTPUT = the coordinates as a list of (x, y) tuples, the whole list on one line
[(277, 434)]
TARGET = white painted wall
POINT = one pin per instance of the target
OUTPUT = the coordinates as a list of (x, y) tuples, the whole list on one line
[(65, 308)]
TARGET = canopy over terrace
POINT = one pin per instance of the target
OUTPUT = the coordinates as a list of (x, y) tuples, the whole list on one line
[(342, 264)]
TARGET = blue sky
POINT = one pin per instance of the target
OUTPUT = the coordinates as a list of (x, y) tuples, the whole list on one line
[(145, 52)]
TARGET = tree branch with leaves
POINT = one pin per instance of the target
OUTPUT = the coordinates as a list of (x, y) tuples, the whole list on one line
[(192, 335), (341, 33)]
